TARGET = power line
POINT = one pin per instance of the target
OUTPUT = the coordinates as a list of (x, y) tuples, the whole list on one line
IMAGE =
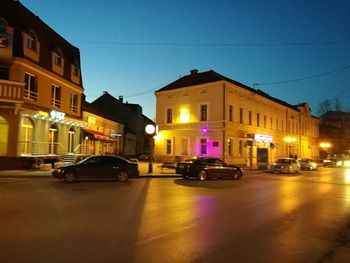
[(180, 44), (304, 78)]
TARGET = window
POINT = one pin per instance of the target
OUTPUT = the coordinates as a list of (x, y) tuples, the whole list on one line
[(250, 118), (240, 148), (271, 124), (57, 58), (203, 112), (230, 113), (31, 42), (240, 115), (203, 146), (30, 88), (3, 26), (264, 121), (75, 70), (258, 119), (73, 102), (168, 146), (56, 95), (169, 115), (229, 147)]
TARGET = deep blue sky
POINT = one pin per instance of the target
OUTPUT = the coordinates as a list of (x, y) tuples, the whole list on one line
[(134, 47)]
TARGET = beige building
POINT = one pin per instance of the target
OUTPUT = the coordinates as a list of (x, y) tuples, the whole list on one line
[(101, 135), (207, 114), (40, 88)]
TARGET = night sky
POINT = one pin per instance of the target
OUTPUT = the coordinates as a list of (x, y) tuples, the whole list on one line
[(296, 51)]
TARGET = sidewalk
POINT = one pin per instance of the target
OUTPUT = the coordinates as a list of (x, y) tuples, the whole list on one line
[(157, 171)]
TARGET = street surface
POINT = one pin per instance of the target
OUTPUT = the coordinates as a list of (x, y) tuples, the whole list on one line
[(260, 218)]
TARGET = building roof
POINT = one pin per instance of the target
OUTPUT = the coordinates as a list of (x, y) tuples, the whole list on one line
[(198, 78), (23, 20)]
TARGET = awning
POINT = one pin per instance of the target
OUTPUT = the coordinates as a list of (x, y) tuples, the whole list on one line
[(99, 135)]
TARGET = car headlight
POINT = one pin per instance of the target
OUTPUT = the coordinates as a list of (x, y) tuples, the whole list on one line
[(347, 163), (339, 163)]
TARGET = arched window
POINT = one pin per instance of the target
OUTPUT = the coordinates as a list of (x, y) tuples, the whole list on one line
[(71, 133), (31, 40), (53, 138), (3, 25), (4, 129), (26, 136), (57, 57)]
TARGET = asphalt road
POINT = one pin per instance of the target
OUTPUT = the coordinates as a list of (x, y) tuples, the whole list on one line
[(260, 218)]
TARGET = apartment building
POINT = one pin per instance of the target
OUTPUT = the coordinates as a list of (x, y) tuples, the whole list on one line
[(40, 87), (208, 114)]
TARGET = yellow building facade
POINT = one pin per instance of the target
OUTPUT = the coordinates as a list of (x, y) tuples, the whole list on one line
[(40, 88), (207, 114)]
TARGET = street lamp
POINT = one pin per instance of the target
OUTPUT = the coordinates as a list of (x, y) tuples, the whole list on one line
[(325, 147), (151, 130)]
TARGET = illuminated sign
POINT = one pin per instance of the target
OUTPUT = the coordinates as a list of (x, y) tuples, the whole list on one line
[(57, 115), (263, 137), (91, 120), (43, 113)]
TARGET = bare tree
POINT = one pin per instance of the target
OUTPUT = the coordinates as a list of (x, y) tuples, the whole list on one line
[(324, 106)]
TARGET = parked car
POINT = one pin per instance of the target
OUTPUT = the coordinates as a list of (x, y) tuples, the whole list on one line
[(307, 164), (285, 165), (330, 162), (98, 167), (208, 167)]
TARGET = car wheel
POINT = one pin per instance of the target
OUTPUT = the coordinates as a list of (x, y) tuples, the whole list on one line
[(185, 176), (202, 175), (236, 175), (122, 176), (69, 177)]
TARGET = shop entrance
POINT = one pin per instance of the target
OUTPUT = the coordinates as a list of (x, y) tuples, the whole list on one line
[(53, 138), (4, 127), (262, 158), (71, 140)]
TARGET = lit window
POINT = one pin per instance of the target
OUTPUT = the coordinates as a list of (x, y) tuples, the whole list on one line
[(203, 112), (184, 116)]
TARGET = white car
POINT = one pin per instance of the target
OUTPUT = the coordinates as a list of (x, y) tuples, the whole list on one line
[(285, 165), (307, 164)]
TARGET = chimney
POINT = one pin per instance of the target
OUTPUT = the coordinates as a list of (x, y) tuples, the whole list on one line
[(121, 99), (194, 71)]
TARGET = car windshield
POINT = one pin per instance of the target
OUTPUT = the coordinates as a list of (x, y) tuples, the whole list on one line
[(283, 161)]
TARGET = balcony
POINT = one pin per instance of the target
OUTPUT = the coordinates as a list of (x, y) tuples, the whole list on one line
[(11, 91)]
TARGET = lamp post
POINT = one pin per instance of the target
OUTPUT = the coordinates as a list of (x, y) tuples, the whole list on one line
[(289, 140), (151, 130), (325, 147)]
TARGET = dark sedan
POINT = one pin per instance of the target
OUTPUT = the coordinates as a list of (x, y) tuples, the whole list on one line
[(98, 167), (208, 167)]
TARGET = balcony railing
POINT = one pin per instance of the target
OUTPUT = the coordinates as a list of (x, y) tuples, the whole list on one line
[(32, 148), (29, 94), (11, 91)]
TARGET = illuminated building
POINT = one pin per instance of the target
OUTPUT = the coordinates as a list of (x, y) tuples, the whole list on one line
[(40, 89), (207, 114)]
